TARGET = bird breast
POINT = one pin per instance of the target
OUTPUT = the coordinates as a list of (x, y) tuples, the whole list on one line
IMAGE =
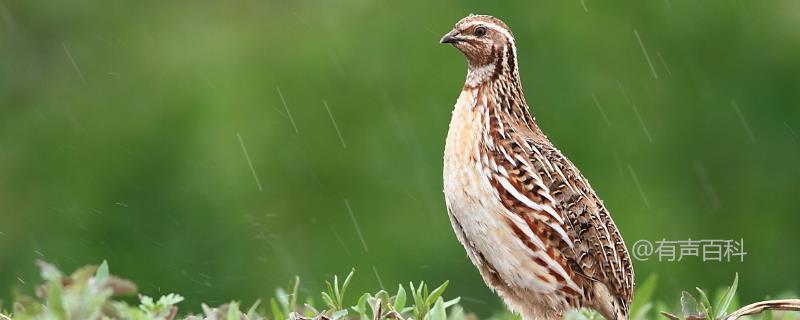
[(479, 219)]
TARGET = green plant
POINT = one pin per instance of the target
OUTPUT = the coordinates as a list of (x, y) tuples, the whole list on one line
[(93, 293), (89, 292)]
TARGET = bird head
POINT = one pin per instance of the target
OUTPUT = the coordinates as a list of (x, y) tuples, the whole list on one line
[(484, 40)]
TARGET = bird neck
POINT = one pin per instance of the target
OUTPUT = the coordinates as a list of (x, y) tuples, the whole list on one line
[(499, 84), (500, 64), (496, 71)]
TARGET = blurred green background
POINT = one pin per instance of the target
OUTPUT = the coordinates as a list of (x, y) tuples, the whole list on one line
[(120, 127)]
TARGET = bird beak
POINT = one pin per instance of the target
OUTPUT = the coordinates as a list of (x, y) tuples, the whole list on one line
[(450, 37)]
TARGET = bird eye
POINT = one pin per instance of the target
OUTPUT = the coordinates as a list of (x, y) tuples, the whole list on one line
[(480, 31)]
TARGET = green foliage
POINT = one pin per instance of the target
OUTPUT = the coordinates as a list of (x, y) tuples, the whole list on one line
[(642, 302), (93, 293), (160, 309), (700, 307), (90, 292), (727, 298), (334, 297), (285, 303)]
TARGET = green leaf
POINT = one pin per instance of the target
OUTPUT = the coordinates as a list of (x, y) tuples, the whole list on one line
[(328, 300), (383, 296), (361, 306), (419, 307), (277, 313), (708, 309), (337, 294), (233, 311), (48, 271), (722, 305), (146, 303), (170, 300), (339, 314), (55, 302), (452, 302), (375, 305), (329, 287), (400, 299), (251, 313), (644, 293), (310, 311), (688, 304), (436, 293), (292, 305), (346, 282), (101, 275), (282, 298), (457, 313), (418, 291), (438, 312)]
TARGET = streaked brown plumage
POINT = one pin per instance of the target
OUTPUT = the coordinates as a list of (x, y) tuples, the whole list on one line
[(528, 219)]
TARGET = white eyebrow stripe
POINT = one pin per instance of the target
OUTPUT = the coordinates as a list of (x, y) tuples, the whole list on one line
[(492, 26)]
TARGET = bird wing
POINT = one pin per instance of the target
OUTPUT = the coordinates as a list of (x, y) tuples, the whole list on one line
[(533, 214), (554, 211), (598, 249)]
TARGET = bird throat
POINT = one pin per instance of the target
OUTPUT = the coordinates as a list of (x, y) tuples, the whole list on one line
[(500, 64), (497, 86)]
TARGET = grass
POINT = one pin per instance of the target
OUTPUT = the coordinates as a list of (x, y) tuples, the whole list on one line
[(91, 292)]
